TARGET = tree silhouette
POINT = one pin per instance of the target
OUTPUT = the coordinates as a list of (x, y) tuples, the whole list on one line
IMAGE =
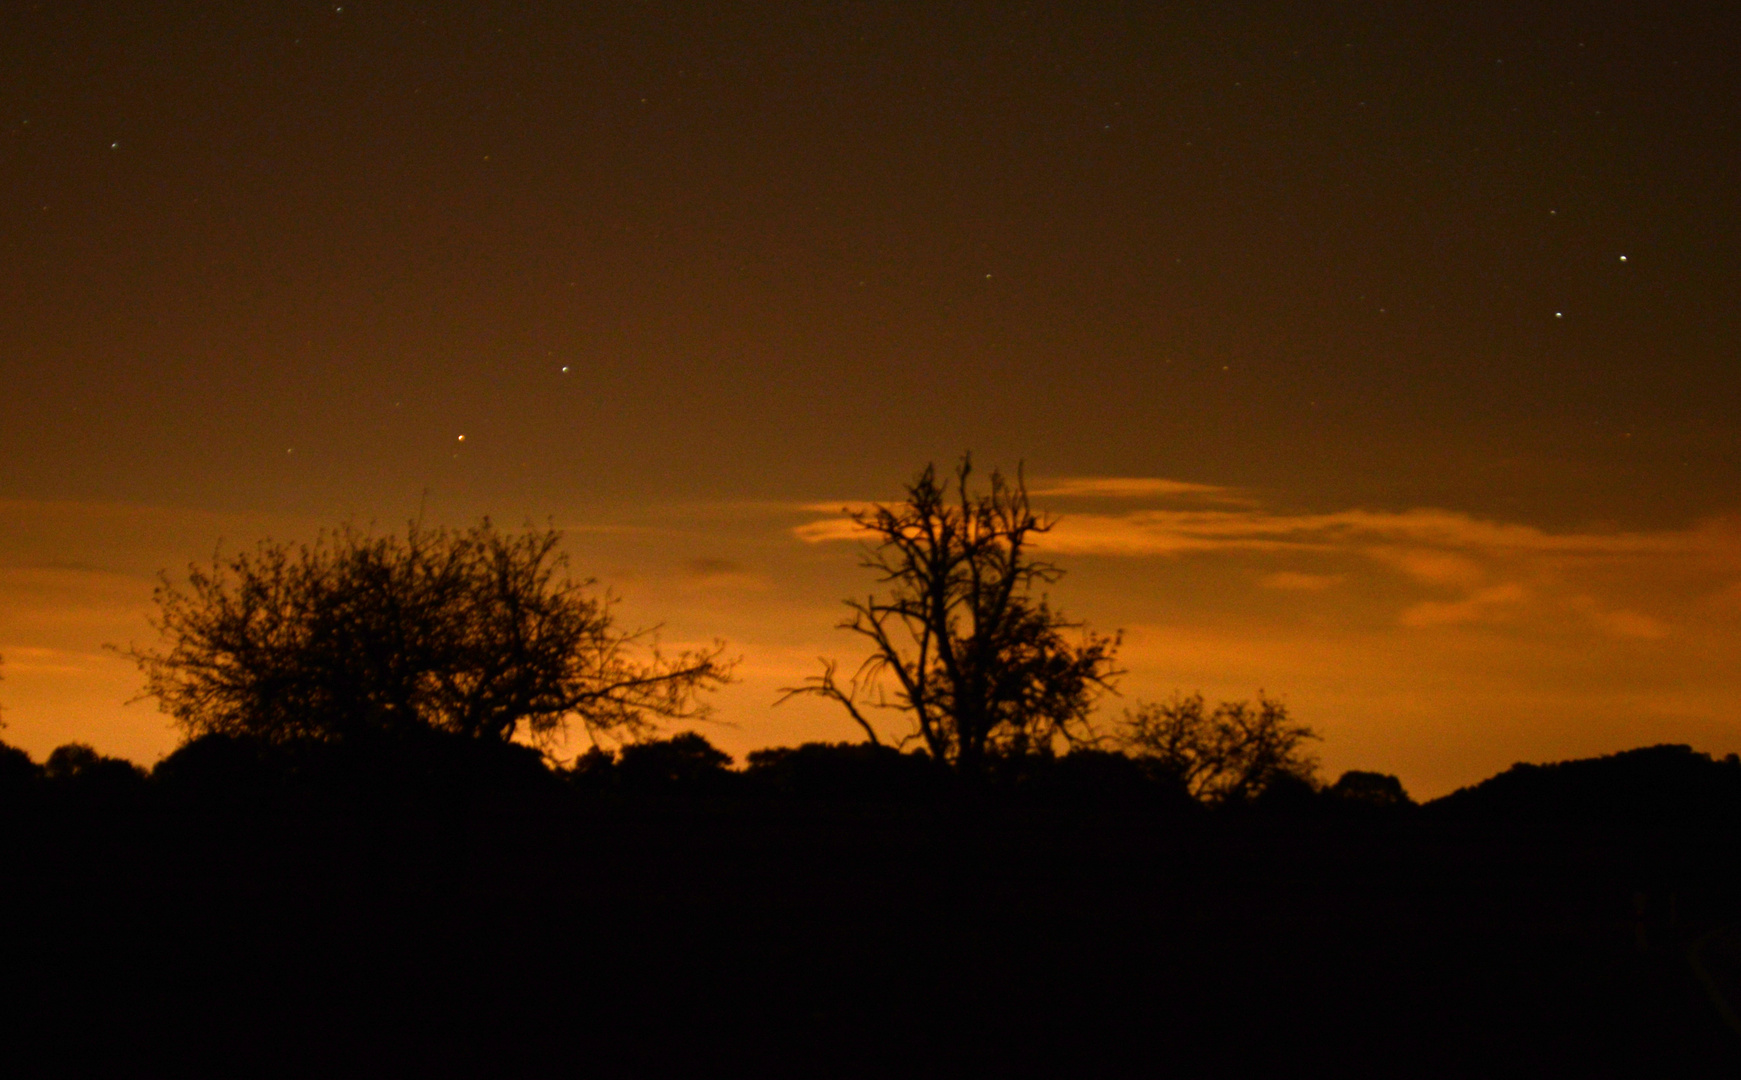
[(475, 632), (1230, 754), (687, 759), (76, 769), (17, 772), (1380, 790), (981, 665)]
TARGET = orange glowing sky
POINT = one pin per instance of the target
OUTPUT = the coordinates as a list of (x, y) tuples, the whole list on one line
[(1381, 359)]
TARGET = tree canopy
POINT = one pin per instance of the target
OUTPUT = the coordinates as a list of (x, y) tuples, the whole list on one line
[(980, 664), (1228, 754), (477, 632)]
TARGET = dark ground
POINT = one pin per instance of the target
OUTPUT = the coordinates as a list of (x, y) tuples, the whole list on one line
[(964, 938)]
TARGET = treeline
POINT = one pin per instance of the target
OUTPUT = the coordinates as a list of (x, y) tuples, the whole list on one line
[(428, 771), (427, 767)]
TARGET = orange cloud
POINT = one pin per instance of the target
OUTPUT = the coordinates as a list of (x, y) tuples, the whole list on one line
[(1294, 581), (1499, 572), (1483, 605), (1172, 532), (714, 573), (1133, 487), (1618, 622), (1431, 567), (831, 529)]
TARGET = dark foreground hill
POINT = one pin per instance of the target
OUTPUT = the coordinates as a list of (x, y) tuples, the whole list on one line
[(529, 929)]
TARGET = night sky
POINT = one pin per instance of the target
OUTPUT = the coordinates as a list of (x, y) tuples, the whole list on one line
[(1381, 357)]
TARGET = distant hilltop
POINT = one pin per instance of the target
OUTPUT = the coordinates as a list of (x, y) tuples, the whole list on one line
[(1652, 785)]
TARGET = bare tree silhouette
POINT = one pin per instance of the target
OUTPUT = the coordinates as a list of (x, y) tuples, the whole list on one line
[(979, 663), (475, 632)]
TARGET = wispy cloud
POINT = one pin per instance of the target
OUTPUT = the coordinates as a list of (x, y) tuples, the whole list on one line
[(1130, 488), (1482, 605), (36, 661), (713, 573), (1619, 622), (1385, 533), (830, 529), (1134, 487), (1444, 568), (1400, 536)]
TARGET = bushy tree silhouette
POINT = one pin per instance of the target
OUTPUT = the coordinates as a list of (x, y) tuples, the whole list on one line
[(981, 665), (77, 769), (685, 765), (475, 632), (1378, 790), (1226, 755), (687, 759)]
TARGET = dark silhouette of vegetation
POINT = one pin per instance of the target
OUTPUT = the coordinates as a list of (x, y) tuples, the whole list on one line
[(1091, 776), (845, 771), (685, 766), (687, 759), (368, 898), (1380, 791), (1230, 754), (478, 633), (18, 773), (460, 906), (1650, 787), (980, 665), (79, 762), (77, 775), (417, 769)]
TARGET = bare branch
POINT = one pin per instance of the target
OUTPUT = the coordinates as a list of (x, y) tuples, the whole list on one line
[(824, 685), (982, 666)]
